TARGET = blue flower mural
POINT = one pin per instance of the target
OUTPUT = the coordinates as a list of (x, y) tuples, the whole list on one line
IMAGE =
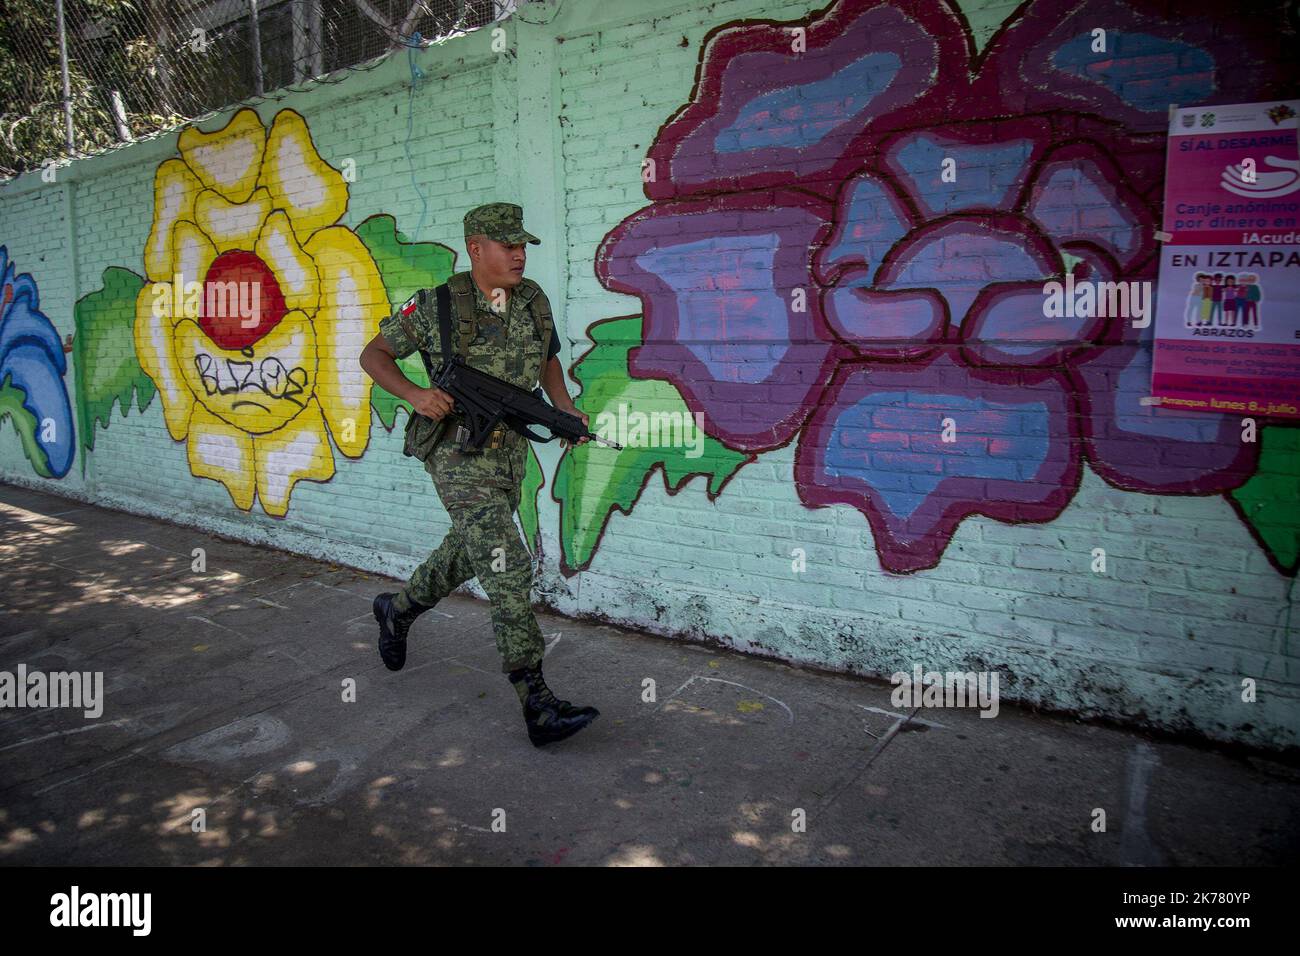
[(32, 365)]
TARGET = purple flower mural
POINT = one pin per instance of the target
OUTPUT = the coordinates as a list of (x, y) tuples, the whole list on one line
[(847, 246)]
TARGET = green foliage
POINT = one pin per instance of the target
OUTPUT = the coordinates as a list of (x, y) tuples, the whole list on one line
[(405, 267), (11, 407), (591, 480), (1270, 501), (110, 47), (532, 484), (107, 369)]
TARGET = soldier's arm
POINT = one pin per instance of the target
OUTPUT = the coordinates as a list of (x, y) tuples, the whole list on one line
[(380, 363), (553, 383)]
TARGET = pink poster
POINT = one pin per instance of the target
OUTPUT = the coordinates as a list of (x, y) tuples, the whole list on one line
[(1227, 336)]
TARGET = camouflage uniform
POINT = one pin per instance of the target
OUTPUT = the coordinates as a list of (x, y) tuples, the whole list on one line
[(481, 490)]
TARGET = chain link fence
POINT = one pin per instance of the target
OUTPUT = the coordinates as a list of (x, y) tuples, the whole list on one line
[(81, 76)]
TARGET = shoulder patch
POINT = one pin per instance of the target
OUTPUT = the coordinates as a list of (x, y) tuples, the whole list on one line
[(409, 306)]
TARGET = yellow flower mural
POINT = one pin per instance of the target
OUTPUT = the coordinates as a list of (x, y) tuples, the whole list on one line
[(254, 393)]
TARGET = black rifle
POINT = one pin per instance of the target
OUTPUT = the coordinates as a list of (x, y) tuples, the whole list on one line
[(484, 401)]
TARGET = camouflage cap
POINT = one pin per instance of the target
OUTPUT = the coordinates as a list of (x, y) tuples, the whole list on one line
[(502, 221)]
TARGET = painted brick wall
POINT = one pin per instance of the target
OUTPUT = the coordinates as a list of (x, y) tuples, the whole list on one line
[(769, 174)]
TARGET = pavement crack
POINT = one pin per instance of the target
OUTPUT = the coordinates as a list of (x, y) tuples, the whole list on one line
[(881, 743)]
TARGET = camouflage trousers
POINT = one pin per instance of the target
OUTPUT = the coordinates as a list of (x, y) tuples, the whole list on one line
[(480, 492)]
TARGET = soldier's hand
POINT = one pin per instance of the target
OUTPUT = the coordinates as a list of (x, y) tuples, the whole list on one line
[(576, 413), (433, 403)]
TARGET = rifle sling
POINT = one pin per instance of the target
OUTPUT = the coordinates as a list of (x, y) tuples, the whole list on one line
[(442, 308)]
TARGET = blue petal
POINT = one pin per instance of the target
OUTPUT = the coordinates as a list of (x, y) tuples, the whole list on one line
[(28, 367), (1146, 71), (23, 326)]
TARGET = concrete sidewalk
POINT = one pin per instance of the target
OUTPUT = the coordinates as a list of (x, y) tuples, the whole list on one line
[(224, 691)]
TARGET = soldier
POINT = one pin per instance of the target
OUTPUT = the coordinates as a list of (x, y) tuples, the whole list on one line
[(502, 324)]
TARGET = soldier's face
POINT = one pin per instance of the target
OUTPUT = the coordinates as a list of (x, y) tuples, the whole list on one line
[(502, 265)]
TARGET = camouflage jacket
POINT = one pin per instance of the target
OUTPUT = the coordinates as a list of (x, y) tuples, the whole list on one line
[(512, 344)]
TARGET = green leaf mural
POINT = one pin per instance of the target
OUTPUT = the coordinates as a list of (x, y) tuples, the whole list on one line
[(591, 480), (1269, 502), (532, 485), (107, 369), (405, 268), (11, 407)]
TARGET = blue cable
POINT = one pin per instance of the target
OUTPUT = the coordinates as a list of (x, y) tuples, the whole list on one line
[(412, 43)]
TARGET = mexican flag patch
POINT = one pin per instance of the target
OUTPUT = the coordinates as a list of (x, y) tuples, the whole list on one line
[(409, 307)]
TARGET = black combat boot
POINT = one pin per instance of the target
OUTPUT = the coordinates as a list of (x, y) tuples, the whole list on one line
[(393, 625), (548, 719)]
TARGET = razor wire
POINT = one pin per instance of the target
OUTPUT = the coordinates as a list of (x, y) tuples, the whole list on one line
[(78, 77)]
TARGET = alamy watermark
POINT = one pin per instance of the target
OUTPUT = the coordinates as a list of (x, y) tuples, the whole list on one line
[(213, 299), (1129, 299), (76, 909), (56, 689), (634, 429), (948, 689)]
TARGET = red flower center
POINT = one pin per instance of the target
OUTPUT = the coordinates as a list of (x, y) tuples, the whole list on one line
[(241, 300)]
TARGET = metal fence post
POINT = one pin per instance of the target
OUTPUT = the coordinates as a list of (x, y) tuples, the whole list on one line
[(257, 48), (119, 117), (67, 86)]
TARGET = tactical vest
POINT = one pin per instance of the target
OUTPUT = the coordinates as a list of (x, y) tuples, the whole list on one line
[(488, 348), (486, 345)]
